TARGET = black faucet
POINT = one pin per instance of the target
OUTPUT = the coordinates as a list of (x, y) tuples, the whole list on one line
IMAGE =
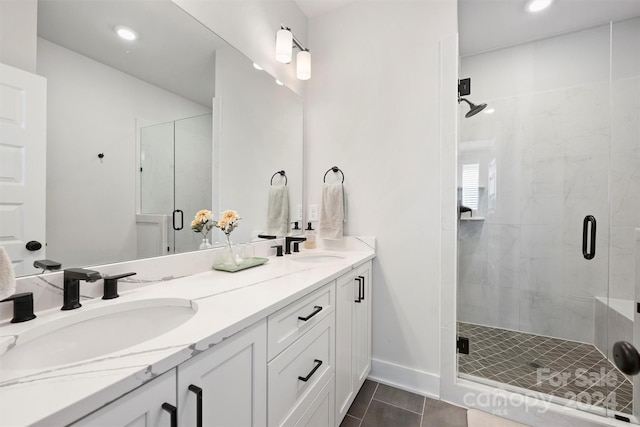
[(287, 243), (111, 285), (72, 277), (22, 307)]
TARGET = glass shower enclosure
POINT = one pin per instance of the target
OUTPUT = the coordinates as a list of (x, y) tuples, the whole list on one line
[(549, 195), (176, 178)]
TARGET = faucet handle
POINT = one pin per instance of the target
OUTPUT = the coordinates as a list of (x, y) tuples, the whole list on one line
[(278, 249), (111, 285), (22, 307)]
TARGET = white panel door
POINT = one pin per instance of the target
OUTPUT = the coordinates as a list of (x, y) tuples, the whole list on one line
[(22, 165)]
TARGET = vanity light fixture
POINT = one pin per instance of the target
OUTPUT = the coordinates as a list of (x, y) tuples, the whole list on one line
[(285, 42), (538, 5), (126, 33)]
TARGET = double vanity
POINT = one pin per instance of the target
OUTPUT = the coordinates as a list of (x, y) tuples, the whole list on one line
[(285, 343)]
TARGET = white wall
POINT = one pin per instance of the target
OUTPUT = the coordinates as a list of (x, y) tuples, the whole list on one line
[(373, 110), (18, 29), (91, 109)]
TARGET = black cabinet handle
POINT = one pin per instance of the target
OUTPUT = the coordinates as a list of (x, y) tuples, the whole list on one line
[(173, 411), (316, 309), (181, 220), (313, 371), (591, 252), (198, 391), (359, 280), (362, 287)]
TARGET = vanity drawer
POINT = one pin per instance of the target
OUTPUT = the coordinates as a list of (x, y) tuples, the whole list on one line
[(287, 325), (310, 358)]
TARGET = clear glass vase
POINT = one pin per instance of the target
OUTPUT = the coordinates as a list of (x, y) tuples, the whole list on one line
[(229, 256), (205, 244)]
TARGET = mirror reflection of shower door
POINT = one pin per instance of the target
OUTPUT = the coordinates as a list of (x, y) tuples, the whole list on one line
[(175, 176), (193, 175), (553, 146)]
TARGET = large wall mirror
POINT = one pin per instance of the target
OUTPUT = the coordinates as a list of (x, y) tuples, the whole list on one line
[(143, 134)]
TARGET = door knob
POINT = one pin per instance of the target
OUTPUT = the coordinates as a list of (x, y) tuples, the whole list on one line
[(33, 246), (626, 358)]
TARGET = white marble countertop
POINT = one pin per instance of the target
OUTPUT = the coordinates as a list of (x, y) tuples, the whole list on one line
[(226, 304)]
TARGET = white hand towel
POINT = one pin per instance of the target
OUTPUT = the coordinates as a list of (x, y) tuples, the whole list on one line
[(278, 211), (7, 278), (332, 211)]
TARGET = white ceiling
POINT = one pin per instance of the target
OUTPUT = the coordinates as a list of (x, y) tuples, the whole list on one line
[(174, 50), (313, 8), (490, 24)]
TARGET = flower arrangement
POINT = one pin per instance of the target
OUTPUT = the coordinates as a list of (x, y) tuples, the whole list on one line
[(201, 223), (204, 222)]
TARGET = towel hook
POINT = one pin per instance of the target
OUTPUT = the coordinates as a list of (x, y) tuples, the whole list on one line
[(281, 173), (335, 169)]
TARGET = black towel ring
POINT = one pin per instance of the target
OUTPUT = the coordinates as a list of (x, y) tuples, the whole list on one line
[(335, 169), (281, 173)]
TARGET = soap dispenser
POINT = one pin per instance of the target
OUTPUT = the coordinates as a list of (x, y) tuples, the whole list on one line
[(310, 234)]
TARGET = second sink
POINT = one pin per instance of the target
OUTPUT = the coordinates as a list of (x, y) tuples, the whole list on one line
[(318, 258)]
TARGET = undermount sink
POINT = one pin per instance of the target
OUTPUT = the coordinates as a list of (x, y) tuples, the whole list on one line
[(318, 258), (92, 333)]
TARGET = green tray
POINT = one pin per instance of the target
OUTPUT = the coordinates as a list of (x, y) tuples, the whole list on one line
[(246, 263)]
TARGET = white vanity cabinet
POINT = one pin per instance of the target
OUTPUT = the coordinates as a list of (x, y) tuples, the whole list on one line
[(226, 386), (353, 335), (152, 405), (301, 367)]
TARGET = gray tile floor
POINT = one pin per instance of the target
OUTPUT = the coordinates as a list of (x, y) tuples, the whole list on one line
[(554, 366), (380, 405)]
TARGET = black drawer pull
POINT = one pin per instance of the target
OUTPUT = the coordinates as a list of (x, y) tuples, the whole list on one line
[(362, 287), (313, 371), (316, 309), (359, 280), (198, 391), (173, 411)]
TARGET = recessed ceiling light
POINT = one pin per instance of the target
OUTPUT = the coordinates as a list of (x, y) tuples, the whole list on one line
[(257, 67), (126, 33), (538, 5), (279, 83), (489, 111)]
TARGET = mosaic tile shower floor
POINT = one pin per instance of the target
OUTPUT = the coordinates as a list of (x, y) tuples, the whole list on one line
[(554, 366)]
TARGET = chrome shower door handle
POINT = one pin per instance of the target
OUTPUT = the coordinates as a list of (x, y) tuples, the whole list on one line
[(589, 238)]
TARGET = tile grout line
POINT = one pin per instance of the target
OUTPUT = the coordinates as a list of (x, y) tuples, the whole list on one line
[(424, 406), (399, 407), (368, 404)]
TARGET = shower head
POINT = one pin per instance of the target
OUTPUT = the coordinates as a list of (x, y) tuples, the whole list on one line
[(474, 109)]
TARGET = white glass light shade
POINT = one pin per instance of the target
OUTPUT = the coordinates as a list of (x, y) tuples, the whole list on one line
[(284, 46), (303, 65)]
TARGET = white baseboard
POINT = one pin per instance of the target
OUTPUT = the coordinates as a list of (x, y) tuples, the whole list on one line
[(423, 383)]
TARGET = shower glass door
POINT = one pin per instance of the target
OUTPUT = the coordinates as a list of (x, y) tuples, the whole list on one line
[(549, 177), (176, 176)]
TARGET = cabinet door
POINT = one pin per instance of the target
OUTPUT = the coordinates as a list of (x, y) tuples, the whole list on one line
[(346, 295), (362, 321), (143, 407), (232, 377)]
